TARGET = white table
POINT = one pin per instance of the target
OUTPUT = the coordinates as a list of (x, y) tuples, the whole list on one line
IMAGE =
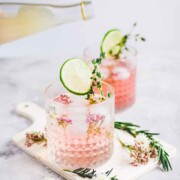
[(158, 94)]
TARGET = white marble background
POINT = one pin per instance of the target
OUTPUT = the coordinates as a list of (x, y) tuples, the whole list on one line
[(29, 64)]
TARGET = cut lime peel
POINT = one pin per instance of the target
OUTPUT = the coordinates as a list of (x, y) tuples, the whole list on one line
[(65, 84), (104, 44), (101, 48)]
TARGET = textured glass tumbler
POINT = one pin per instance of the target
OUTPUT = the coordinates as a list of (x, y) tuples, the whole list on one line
[(120, 73), (79, 134)]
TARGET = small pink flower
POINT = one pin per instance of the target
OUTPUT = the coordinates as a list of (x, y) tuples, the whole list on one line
[(64, 120), (63, 98), (35, 137), (95, 118), (142, 152)]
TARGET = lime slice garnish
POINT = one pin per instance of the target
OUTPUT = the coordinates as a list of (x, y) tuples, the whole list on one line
[(111, 41), (75, 75)]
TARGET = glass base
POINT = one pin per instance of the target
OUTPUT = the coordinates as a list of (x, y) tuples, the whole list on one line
[(83, 155)]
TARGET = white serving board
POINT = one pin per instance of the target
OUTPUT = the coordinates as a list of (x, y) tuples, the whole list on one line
[(119, 161)]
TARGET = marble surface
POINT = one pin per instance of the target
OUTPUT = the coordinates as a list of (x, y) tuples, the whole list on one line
[(157, 105), (157, 108)]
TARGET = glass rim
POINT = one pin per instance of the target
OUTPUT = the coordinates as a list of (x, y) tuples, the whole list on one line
[(80, 105), (85, 54)]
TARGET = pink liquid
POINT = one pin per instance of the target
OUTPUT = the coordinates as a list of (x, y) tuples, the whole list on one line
[(79, 136), (123, 79), (74, 151)]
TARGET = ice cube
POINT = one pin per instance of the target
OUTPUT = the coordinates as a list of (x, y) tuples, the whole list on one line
[(121, 73), (105, 72)]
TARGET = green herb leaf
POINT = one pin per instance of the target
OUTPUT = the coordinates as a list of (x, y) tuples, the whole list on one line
[(90, 173), (96, 80), (98, 74), (143, 39), (123, 44), (109, 94), (102, 55), (94, 61), (83, 172), (163, 157)]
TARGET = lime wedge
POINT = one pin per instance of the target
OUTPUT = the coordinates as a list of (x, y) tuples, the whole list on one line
[(111, 41), (75, 75)]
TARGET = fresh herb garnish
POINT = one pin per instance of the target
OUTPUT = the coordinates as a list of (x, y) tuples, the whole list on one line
[(96, 81), (162, 155), (91, 173), (83, 172), (123, 44), (35, 138), (109, 94)]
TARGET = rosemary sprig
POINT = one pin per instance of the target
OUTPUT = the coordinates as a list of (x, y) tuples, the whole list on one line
[(126, 127), (96, 80), (163, 157), (90, 173), (83, 172), (129, 147), (123, 44)]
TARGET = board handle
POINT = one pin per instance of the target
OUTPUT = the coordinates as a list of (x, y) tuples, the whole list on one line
[(31, 111)]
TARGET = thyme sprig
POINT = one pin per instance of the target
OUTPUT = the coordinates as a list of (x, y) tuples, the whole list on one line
[(90, 173), (163, 156), (96, 79), (123, 44)]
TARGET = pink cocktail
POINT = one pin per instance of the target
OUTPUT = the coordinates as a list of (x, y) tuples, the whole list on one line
[(120, 73), (123, 79), (79, 134)]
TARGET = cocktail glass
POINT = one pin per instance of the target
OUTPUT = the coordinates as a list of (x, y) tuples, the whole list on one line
[(79, 134), (120, 73)]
